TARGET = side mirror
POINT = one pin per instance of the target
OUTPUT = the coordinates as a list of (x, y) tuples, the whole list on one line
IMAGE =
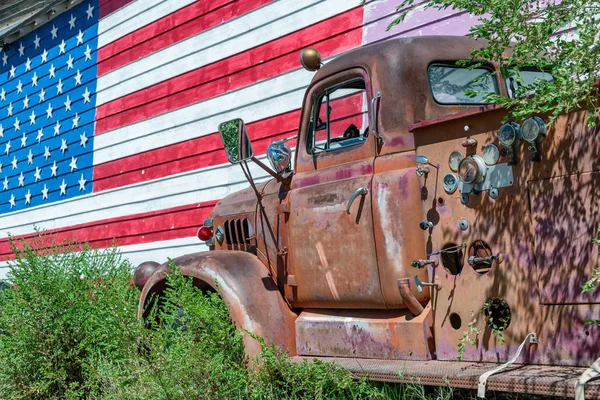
[(235, 141)]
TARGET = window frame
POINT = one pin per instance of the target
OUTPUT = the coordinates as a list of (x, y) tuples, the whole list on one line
[(487, 67), (314, 117)]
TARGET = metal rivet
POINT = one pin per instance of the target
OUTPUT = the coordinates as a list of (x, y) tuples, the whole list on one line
[(494, 193), (464, 198), (467, 128), (464, 224)]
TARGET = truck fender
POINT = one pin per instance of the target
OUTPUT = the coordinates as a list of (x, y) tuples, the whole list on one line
[(254, 301)]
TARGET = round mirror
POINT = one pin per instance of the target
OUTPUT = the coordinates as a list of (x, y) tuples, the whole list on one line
[(310, 59)]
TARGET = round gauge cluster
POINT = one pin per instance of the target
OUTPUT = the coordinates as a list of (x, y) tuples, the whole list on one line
[(455, 159), (509, 134), (533, 129), (490, 154), (450, 183)]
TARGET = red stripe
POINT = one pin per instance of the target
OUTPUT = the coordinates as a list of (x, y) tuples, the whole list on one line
[(198, 153), (179, 25), (109, 6), (173, 223), (332, 36)]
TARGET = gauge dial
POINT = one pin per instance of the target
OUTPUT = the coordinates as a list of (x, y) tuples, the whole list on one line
[(471, 170), (490, 154), (455, 159), (450, 183), (533, 128), (509, 134)]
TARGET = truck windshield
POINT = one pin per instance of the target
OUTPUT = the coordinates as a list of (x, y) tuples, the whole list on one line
[(339, 117), (449, 83)]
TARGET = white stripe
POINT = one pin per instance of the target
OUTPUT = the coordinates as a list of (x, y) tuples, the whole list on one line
[(252, 103), (211, 183), (154, 251), (260, 26), (134, 16)]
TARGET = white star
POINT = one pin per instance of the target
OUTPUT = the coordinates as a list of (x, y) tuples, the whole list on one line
[(75, 121), (5, 59), (90, 11), (28, 64), (21, 180), (62, 46), (3, 94), (40, 135), (1, 131), (12, 201), (73, 164), (36, 41), (80, 38), (63, 188), (14, 162), (21, 49), (68, 104), (30, 157), (42, 95), (72, 21), (45, 56), (28, 197), (81, 182), (46, 152), (54, 32), (17, 124), (49, 111), (78, 78), (86, 96), (57, 128), (88, 53), (52, 71), (64, 146), (70, 62), (7, 149), (23, 140), (10, 109), (26, 102), (59, 87), (84, 139), (19, 87), (53, 168), (13, 71), (44, 192), (38, 174), (34, 79), (32, 118), (5, 183)]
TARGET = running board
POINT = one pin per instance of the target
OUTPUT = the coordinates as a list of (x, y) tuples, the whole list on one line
[(518, 378)]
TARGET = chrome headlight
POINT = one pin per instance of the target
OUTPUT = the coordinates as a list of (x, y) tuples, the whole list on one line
[(280, 156)]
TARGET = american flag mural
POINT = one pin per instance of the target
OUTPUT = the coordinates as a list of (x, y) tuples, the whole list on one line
[(109, 112)]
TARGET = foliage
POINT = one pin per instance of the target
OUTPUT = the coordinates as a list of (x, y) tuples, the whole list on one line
[(64, 312), (469, 337), (555, 36)]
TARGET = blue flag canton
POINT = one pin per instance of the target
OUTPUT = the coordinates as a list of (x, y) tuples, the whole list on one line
[(47, 111)]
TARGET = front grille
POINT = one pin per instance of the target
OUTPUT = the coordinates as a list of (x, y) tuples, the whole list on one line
[(238, 234)]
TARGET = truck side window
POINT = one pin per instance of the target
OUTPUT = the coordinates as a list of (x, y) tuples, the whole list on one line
[(449, 82), (339, 118), (528, 77)]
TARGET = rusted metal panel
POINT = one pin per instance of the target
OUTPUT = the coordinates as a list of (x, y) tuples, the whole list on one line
[(372, 334), (507, 225), (333, 252), (565, 213), (255, 304), (396, 196), (534, 379)]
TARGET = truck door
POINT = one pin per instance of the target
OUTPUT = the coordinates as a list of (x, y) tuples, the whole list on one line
[(332, 247)]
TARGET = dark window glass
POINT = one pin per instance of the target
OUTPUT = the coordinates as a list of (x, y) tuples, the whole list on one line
[(449, 83), (529, 77)]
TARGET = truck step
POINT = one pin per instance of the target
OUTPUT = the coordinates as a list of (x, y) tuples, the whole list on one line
[(544, 380)]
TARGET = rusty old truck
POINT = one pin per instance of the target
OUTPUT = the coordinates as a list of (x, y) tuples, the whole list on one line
[(417, 235)]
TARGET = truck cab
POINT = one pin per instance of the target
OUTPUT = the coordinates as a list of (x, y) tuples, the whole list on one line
[(412, 213)]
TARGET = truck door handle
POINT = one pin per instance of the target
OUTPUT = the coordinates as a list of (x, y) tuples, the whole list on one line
[(358, 192)]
